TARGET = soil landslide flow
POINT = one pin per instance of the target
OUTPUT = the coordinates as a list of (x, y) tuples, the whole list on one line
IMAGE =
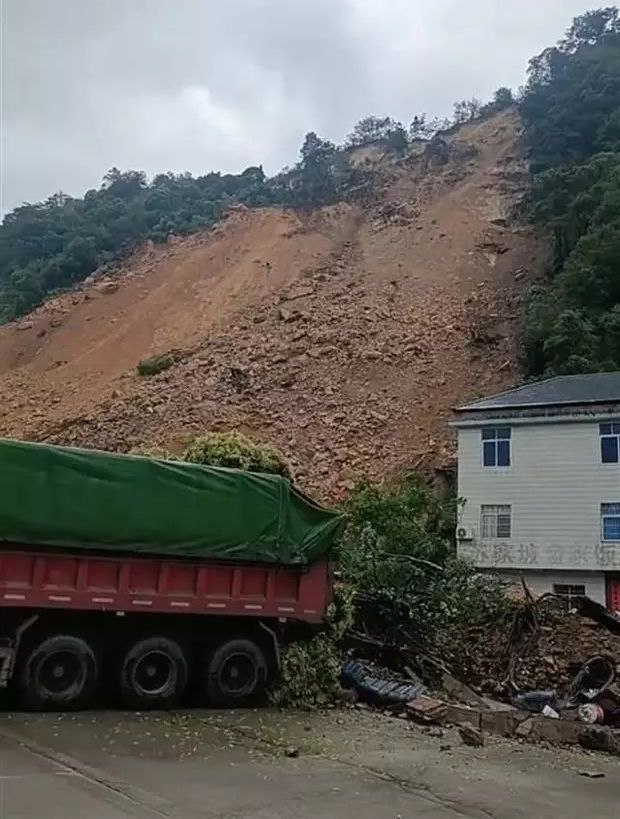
[(343, 335)]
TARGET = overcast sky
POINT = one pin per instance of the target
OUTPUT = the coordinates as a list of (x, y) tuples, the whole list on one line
[(222, 84)]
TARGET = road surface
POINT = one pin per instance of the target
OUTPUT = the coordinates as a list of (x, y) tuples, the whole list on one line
[(267, 765)]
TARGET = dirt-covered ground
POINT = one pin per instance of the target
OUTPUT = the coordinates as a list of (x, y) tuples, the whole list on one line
[(259, 764)]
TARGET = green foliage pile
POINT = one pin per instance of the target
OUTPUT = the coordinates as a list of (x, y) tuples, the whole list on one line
[(386, 523), (310, 669), (156, 364), (401, 585), (235, 451), (309, 673), (571, 112), (398, 554), (231, 450)]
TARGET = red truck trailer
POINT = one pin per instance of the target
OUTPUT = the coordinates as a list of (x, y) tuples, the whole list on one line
[(151, 580)]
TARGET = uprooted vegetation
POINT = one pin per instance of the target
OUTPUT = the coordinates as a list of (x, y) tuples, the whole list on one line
[(231, 450), (411, 591), (398, 582), (155, 365), (406, 604), (402, 599)]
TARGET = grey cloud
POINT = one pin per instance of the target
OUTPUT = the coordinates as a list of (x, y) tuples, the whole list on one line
[(200, 85)]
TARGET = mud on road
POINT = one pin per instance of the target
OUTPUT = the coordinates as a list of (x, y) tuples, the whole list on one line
[(255, 764)]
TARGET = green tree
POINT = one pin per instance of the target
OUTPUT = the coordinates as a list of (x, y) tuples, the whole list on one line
[(467, 110), (396, 139), (373, 129), (316, 177), (571, 112), (590, 28), (460, 113), (503, 98), (419, 127), (423, 128)]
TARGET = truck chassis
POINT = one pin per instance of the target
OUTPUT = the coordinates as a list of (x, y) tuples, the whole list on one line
[(150, 632)]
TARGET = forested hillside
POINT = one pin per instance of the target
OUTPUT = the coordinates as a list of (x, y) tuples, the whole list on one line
[(49, 246), (571, 112)]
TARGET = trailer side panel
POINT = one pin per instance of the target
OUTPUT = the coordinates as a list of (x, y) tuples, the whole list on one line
[(32, 579)]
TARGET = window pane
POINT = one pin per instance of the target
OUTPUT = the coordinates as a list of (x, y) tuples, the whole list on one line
[(605, 429), (611, 528), (503, 525), (488, 434), (503, 432), (615, 428), (488, 450), (568, 590), (609, 449), (503, 453), (488, 521), (488, 526), (610, 508)]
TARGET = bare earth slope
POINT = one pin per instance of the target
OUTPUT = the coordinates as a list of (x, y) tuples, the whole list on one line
[(343, 336)]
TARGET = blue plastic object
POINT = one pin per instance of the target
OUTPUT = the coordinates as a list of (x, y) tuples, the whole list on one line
[(376, 690)]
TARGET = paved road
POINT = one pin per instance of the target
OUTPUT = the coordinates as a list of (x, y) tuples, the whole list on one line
[(235, 766), (32, 786)]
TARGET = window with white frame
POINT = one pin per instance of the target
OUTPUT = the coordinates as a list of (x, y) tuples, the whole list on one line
[(610, 442), (610, 521), (496, 446), (495, 521), (569, 592)]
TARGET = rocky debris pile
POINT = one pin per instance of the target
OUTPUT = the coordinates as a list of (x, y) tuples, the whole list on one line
[(578, 701), (544, 656), (532, 645), (562, 646), (329, 393)]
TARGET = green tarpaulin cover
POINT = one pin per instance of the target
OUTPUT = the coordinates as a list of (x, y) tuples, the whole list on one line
[(76, 498)]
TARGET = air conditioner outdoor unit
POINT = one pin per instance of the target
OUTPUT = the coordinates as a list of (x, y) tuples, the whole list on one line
[(462, 533)]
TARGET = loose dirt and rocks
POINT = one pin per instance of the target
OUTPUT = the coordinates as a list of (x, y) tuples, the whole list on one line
[(344, 335)]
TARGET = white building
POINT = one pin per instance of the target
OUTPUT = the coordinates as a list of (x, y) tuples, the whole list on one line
[(539, 473)]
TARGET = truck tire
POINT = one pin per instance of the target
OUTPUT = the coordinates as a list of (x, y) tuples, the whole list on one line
[(153, 674), (235, 673), (60, 673)]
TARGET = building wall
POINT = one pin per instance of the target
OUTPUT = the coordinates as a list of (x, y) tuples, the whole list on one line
[(541, 582), (555, 486)]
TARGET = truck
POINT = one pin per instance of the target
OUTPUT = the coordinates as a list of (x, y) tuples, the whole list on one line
[(153, 581)]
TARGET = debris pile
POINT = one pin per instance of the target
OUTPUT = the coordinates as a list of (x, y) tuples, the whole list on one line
[(554, 679), (543, 649)]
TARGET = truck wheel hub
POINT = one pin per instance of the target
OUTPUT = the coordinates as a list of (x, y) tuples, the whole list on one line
[(59, 672), (154, 673)]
